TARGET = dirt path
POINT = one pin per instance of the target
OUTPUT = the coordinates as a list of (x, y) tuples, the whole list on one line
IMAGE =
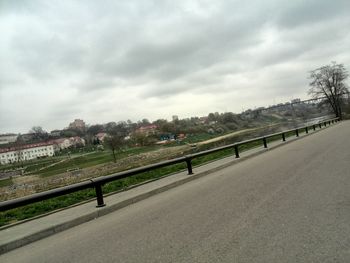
[(232, 134)]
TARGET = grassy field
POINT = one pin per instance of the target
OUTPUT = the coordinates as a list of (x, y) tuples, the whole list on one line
[(5, 182), (31, 164), (60, 164)]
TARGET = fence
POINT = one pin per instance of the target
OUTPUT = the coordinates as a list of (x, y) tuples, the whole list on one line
[(97, 183)]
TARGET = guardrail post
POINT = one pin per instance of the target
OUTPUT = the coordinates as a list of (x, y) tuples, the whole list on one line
[(189, 165), (320, 125), (314, 127), (329, 122), (325, 124), (265, 142), (236, 151), (99, 195), (283, 137), (306, 130), (296, 132)]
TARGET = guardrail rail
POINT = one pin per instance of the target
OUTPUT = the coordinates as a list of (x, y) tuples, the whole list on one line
[(97, 183)]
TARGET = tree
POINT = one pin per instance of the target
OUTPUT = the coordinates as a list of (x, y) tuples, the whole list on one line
[(18, 145), (38, 133), (69, 133), (116, 143), (37, 129), (329, 82), (211, 117), (145, 122), (94, 129), (140, 138)]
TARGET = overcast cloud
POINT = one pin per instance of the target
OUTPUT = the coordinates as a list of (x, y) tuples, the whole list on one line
[(107, 61)]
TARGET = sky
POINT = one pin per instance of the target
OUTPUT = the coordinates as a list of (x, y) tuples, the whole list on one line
[(104, 61)]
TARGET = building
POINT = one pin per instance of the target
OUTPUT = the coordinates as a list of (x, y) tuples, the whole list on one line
[(101, 136), (148, 129), (175, 118), (55, 133), (204, 120), (77, 124), (8, 138), (296, 100), (60, 144), (26, 152), (64, 143), (77, 141)]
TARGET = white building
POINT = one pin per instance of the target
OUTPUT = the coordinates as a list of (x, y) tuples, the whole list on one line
[(26, 152), (8, 138), (61, 143), (65, 143)]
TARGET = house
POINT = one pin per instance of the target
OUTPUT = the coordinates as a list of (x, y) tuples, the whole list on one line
[(55, 133), (8, 138), (60, 144), (203, 120), (27, 137), (181, 136), (64, 143), (148, 129), (26, 152), (101, 136), (77, 141)]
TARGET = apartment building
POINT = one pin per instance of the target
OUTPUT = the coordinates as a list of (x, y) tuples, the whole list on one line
[(26, 152)]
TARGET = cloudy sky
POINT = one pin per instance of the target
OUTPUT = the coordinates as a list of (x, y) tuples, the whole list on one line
[(115, 60)]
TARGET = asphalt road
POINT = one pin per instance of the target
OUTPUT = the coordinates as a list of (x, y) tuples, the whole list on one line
[(291, 204)]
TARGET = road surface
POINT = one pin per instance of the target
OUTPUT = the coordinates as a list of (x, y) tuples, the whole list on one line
[(290, 204)]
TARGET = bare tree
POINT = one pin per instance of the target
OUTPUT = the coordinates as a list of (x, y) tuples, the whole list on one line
[(140, 138), (329, 82), (115, 143), (18, 145), (39, 133)]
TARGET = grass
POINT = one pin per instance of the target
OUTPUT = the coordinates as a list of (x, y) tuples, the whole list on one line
[(91, 159), (42, 207), (5, 182), (200, 137), (31, 165), (76, 161)]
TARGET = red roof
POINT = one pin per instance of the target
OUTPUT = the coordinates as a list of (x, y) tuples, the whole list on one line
[(57, 141), (148, 127), (27, 146)]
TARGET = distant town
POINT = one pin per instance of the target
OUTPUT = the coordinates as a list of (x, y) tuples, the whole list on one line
[(38, 143)]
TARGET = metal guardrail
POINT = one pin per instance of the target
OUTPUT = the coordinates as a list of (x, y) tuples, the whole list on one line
[(98, 182)]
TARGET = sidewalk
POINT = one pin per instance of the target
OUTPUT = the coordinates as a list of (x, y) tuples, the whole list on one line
[(22, 233)]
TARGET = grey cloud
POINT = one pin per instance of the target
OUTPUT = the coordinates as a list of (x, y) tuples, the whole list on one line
[(300, 13), (159, 50)]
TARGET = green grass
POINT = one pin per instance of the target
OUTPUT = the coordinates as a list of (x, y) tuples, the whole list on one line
[(5, 182), (31, 165), (200, 137), (92, 159), (76, 161), (42, 207)]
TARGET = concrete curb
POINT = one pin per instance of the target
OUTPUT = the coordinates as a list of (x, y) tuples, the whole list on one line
[(225, 162)]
